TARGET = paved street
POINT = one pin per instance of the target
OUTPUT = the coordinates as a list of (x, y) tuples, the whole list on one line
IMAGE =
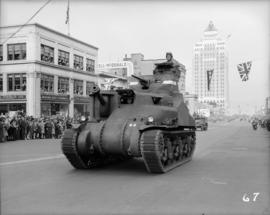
[(230, 161)]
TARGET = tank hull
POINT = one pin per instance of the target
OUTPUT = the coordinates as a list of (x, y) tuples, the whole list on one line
[(150, 121)]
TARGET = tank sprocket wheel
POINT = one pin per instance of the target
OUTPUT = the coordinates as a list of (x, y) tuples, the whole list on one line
[(70, 150)]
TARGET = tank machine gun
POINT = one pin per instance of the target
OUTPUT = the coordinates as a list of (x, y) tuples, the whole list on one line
[(149, 121), (144, 83)]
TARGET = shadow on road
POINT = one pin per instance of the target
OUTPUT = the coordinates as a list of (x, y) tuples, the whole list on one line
[(131, 167)]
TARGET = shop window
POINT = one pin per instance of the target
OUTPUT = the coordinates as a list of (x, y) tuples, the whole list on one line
[(90, 65), (17, 107), (47, 83), (63, 85), (1, 52), (17, 51), (63, 58), (1, 82), (78, 62), (89, 87), (47, 54), (78, 87), (17, 82)]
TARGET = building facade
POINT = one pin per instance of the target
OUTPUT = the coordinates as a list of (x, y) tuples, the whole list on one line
[(210, 54), (45, 72), (267, 105), (191, 100), (146, 67), (114, 74)]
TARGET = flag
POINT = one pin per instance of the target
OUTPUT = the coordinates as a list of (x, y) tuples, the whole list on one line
[(209, 77), (244, 69), (67, 19)]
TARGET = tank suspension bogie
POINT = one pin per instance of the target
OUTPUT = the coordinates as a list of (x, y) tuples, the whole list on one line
[(165, 150)]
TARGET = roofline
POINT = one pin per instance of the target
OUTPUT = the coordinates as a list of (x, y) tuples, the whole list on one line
[(154, 59), (53, 31)]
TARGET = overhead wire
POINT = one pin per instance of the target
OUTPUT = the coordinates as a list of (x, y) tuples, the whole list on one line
[(20, 28)]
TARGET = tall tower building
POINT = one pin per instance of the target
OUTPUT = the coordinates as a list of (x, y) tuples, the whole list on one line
[(210, 54)]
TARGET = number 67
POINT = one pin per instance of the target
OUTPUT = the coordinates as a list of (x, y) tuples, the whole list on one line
[(246, 198)]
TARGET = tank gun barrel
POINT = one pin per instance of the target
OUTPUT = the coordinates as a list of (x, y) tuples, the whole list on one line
[(95, 91), (145, 83)]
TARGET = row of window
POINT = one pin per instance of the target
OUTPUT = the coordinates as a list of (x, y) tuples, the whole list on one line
[(14, 51), (17, 82), (18, 52), (213, 48), (1, 52), (1, 82), (47, 55), (47, 85)]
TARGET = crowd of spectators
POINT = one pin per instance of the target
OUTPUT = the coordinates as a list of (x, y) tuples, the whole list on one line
[(22, 127)]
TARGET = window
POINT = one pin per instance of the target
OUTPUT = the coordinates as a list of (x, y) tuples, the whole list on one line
[(63, 58), (90, 65), (89, 87), (47, 54), (17, 82), (17, 51), (63, 85), (47, 83), (1, 52), (78, 62), (78, 87), (1, 82)]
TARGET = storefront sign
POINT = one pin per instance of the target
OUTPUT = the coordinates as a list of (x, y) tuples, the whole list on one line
[(81, 99), (112, 65), (55, 98), (8, 98)]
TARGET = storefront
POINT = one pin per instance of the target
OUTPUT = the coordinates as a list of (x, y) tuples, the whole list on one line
[(81, 106), (52, 104), (12, 103)]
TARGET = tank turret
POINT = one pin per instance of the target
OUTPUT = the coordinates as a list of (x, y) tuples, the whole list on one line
[(150, 120)]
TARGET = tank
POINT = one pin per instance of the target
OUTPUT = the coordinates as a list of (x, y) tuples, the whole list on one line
[(149, 120)]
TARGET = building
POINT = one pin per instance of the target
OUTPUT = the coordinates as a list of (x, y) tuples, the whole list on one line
[(267, 105), (146, 66), (191, 101), (114, 74), (210, 54), (45, 72)]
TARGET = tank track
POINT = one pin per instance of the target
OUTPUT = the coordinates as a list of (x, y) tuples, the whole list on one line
[(159, 149), (69, 149)]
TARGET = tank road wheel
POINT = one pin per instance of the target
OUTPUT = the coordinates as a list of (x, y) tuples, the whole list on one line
[(177, 149), (192, 144), (189, 146), (164, 156)]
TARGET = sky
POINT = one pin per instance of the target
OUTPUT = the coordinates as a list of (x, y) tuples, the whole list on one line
[(151, 27)]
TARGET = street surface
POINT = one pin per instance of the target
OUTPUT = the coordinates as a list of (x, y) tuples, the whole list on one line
[(229, 174)]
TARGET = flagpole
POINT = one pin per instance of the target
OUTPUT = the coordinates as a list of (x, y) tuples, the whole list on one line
[(68, 19)]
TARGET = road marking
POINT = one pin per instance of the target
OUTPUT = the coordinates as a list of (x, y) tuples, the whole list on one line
[(32, 160), (214, 181), (240, 148)]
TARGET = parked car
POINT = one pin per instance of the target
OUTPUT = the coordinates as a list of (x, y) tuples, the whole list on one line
[(202, 123)]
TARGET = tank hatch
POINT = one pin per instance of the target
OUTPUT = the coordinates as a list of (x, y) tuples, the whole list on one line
[(167, 71)]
